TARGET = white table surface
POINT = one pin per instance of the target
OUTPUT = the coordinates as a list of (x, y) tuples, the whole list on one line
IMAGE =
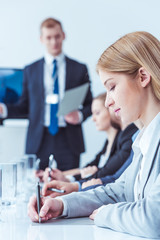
[(17, 226)]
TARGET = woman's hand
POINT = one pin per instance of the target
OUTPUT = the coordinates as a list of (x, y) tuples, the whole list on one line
[(51, 208), (91, 182), (88, 171), (67, 187), (55, 174)]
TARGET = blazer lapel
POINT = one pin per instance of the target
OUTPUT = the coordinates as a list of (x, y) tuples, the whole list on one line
[(116, 142), (40, 88), (40, 82), (68, 74), (148, 165), (150, 156)]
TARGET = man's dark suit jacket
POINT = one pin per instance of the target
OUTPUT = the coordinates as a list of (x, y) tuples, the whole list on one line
[(32, 103), (119, 153)]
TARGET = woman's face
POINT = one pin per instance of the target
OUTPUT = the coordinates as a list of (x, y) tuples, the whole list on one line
[(100, 115), (124, 95)]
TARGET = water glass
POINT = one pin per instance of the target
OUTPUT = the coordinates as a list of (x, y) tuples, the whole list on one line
[(8, 187), (30, 165), (0, 193), (0, 185), (21, 175), (30, 179)]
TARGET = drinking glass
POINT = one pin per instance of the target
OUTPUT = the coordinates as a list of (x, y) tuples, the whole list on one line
[(21, 175), (30, 179), (0, 193), (30, 164), (8, 187)]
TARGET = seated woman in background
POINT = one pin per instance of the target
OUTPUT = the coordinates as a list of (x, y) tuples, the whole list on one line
[(85, 184), (96, 182), (104, 121), (130, 72), (115, 151)]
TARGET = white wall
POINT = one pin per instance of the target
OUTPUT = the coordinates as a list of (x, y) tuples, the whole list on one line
[(90, 26)]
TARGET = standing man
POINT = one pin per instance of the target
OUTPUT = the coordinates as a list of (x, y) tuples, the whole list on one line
[(52, 76)]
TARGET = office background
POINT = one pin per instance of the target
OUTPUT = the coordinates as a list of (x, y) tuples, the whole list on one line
[(90, 27)]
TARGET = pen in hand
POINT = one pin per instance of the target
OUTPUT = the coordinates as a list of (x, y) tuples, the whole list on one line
[(38, 200), (57, 190), (51, 158)]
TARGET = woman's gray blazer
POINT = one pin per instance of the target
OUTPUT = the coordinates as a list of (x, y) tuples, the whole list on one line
[(122, 213)]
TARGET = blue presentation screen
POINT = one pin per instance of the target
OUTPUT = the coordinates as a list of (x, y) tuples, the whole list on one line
[(10, 85)]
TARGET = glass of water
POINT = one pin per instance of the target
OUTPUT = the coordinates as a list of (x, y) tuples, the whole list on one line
[(0, 193), (8, 183), (30, 165), (30, 179), (21, 175)]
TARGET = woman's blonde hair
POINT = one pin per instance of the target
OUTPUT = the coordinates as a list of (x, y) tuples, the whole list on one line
[(101, 97), (115, 123), (131, 52)]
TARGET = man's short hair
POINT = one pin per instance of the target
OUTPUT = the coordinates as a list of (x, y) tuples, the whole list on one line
[(50, 23)]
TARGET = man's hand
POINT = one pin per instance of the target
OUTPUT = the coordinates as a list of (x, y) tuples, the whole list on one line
[(55, 174), (67, 187), (1, 110), (51, 208), (91, 182), (72, 118), (88, 171)]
